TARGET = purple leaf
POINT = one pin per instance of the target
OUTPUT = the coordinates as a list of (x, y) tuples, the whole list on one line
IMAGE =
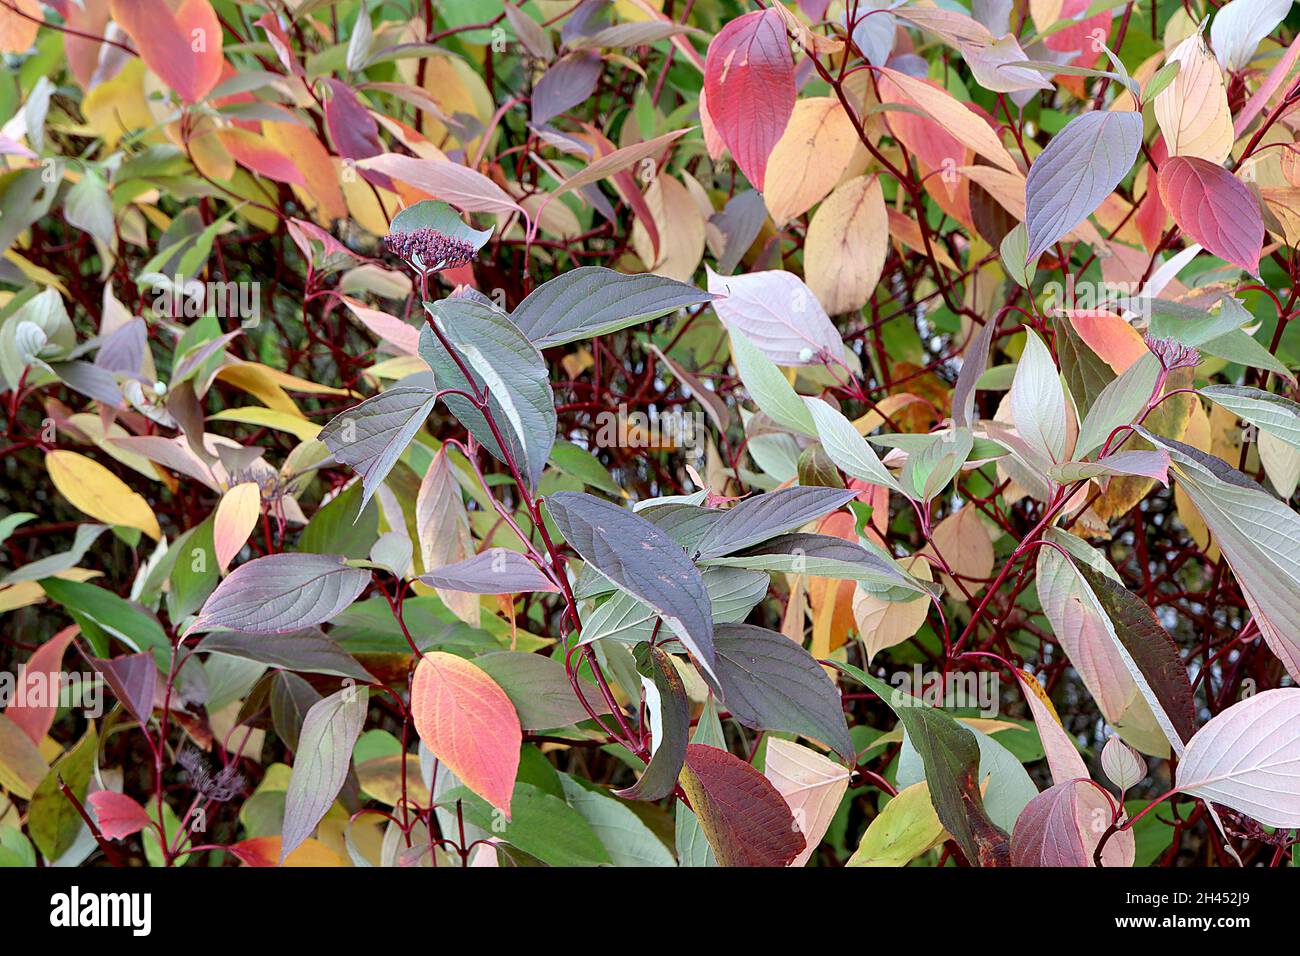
[(282, 592), (493, 571), (132, 678), (642, 560), (568, 82), (1073, 175), (321, 762)]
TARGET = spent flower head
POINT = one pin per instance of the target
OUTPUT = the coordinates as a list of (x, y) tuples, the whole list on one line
[(219, 787), (429, 250), (1172, 353)]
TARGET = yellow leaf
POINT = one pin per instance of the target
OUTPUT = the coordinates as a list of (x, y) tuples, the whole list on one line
[(906, 828), (300, 428), (325, 198), (1192, 111), (381, 779), (98, 492), (816, 149), (364, 207), (265, 851), (680, 226), (37, 274), (847, 242), (26, 593), (237, 515)]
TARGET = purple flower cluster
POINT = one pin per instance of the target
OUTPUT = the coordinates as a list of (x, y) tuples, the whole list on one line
[(430, 250), (1172, 353)]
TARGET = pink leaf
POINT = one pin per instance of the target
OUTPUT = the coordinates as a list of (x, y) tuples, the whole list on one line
[(466, 189), (253, 151), (1047, 831), (1214, 208), (749, 87), (1248, 757)]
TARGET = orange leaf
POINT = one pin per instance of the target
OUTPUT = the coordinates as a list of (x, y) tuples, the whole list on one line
[(257, 153), (265, 851), (18, 25), (466, 719), (183, 47), (1116, 342)]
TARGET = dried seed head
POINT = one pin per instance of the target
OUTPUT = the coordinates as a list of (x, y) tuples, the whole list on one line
[(429, 250), (220, 787), (1172, 353)]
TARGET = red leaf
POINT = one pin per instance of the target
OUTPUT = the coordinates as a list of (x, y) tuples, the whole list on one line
[(183, 47), (744, 817), (1151, 216), (466, 719), (1215, 208), (117, 814), (749, 88), (1078, 37)]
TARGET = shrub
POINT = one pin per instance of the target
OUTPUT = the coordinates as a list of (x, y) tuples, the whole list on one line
[(648, 434)]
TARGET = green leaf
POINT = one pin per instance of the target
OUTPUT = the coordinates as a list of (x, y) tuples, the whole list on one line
[(951, 757), (1150, 654), (1272, 413), (52, 819), (772, 393), (371, 436), (846, 447), (500, 359), (1014, 250), (627, 840), (541, 825), (1119, 403), (540, 690), (673, 724), (321, 762), (342, 526), (195, 574), (102, 614), (583, 465), (1038, 401), (1259, 536), (590, 301)]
